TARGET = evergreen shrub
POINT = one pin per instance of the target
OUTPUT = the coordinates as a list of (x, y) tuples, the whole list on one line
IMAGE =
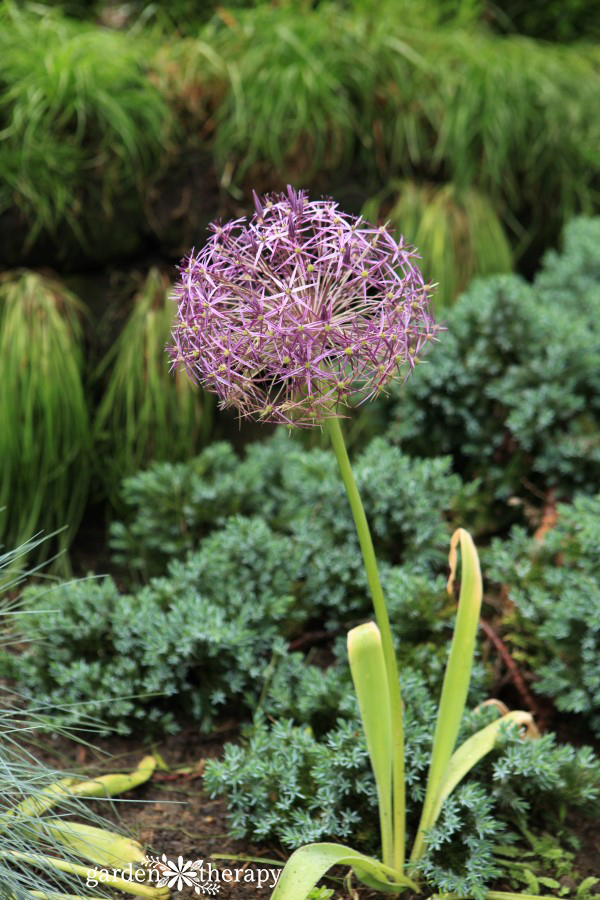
[(512, 392), (171, 506), (128, 659), (554, 586), (238, 559)]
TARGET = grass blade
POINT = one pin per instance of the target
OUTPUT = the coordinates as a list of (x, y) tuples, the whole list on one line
[(115, 882), (147, 412), (44, 422)]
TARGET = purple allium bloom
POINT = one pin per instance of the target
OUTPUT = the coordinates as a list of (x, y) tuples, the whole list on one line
[(293, 314)]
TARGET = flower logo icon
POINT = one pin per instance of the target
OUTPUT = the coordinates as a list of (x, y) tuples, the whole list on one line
[(181, 873)]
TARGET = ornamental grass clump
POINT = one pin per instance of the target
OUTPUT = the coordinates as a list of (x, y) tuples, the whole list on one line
[(48, 835), (83, 128), (143, 413), (44, 422), (291, 317)]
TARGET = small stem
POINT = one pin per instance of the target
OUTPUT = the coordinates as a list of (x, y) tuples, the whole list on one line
[(383, 623)]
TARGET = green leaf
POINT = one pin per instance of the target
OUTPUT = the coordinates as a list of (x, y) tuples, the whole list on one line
[(549, 882), (111, 785), (469, 754), (103, 786), (105, 848), (367, 664), (531, 880), (48, 797), (306, 867), (457, 676), (585, 886), (508, 895), (44, 896)]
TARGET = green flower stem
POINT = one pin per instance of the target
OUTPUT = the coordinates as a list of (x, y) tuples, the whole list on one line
[(383, 623)]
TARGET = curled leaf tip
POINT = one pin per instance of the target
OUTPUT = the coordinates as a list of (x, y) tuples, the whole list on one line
[(467, 545)]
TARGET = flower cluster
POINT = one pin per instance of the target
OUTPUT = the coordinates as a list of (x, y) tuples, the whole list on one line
[(299, 310)]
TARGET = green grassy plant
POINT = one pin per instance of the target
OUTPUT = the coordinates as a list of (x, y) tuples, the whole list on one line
[(459, 233), (81, 124), (437, 99), (477, 98), (466, 105), (146, 413), (44, 424), (43, 850), (288, 104), (562, 22), (191, 74)]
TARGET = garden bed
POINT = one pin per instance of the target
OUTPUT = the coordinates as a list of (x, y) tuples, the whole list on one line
[(172, 814)]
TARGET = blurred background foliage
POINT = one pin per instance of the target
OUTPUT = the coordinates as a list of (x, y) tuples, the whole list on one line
[(146, 411), (125, 127)]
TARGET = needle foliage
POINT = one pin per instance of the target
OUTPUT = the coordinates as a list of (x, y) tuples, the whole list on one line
[(230, 590), (512, 390), (291, 782), (553, 621)]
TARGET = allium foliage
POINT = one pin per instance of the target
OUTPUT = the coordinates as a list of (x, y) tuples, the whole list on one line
[(296, 312)]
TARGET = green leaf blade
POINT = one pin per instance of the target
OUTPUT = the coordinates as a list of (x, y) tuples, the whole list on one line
[(367, 664), (470, 752), (309, 864), (457, 676)]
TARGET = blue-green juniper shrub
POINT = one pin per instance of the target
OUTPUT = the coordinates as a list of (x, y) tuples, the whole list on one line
[(191, 641), (513, 389), (126, 658), (572, 275), (249, 567), (554, 588), (172, 506)]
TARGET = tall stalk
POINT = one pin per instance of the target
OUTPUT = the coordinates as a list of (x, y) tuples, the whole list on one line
[(383, 623)]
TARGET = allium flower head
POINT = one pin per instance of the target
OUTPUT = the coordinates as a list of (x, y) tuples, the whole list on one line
[(300, 311)]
